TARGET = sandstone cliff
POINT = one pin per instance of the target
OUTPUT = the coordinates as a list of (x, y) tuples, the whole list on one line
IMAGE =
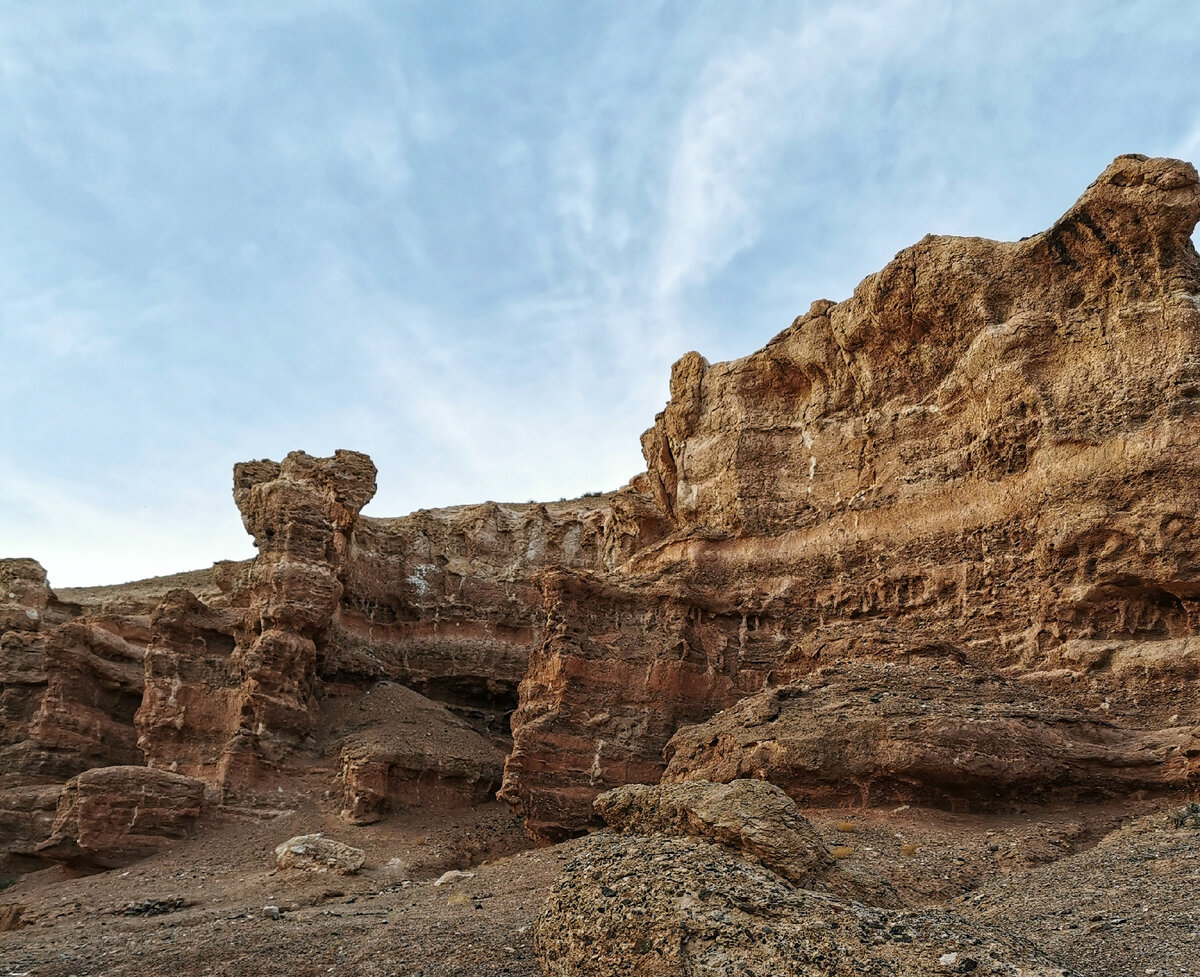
[(985, 459), (969, 485)]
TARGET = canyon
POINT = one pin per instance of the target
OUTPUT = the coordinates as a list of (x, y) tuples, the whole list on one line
[(931, 548)]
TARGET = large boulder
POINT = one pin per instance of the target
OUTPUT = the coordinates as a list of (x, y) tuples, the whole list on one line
[(751, 817), (316, 853), (864, 733), (663, 906), (111, 816)]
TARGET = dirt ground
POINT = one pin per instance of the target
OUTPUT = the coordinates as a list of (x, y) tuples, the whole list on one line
[(1110, 890)]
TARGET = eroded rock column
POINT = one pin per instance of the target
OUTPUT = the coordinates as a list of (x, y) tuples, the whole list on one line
[(301, 513)]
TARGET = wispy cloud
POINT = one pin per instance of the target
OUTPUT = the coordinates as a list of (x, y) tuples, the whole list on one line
[(51, 323), (770, 92), (473, 247)]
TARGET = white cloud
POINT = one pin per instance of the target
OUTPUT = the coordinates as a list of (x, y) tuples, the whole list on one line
[(1189, 147), (782, 88), (97, 539)]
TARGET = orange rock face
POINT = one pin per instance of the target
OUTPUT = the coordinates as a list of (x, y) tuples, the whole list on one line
[(193, 694)]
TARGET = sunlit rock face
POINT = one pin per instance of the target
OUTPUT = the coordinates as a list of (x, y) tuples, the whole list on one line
[(985, 459)]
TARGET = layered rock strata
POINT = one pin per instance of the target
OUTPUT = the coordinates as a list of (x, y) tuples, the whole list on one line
[(111, 816), (400, 750), (871, 735), (222, 675), (980, 468), (986, 456)]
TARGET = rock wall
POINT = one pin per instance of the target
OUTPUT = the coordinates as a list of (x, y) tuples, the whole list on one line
[(976, 475), (233, 675), (865, 734), (985, 459)]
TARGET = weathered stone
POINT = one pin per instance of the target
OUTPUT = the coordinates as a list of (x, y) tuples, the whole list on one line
[(193, 696), (881, 734), (620, 667), (111, 816), (301, 513), (27, 809), (412, 753), (316, 853), (752, 817), (985, 457), (24, 595), (68, 699), (664, 906)]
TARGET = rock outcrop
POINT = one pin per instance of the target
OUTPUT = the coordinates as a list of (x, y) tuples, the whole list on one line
[(973, 481), (883, 734), (301, 513), (112, 816), (684, 904), (987, 456), (406, 751)]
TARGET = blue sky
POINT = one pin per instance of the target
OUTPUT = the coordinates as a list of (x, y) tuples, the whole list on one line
[(470, 238)]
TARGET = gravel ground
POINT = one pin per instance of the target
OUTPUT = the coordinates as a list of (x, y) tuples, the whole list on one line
[(1109, 902)]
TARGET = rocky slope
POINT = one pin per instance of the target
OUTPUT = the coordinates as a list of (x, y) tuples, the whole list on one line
[(693, 903)]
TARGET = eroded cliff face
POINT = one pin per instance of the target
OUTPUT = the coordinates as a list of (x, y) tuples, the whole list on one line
[(248, 671), (984, 460), (973, 484)]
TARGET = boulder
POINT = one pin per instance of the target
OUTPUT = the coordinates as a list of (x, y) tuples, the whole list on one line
[(658, 907), (751, 817), (966, 739), (316, 853), (111, 816)]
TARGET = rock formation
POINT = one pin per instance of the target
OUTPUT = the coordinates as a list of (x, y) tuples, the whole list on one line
[(406, 751), (111, 816), (871, 734), (984, 459), (946, 524), (687, 904), (301, 514)]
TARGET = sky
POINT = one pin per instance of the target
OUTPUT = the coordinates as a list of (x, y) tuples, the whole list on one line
[(469, 238)]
